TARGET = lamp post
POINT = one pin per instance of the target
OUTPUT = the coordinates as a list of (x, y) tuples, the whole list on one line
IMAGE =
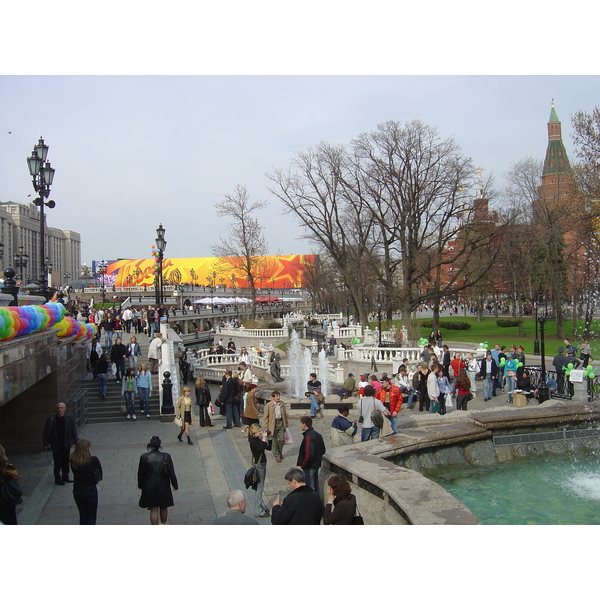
[(161, 244), (101, 267), (48, 269), (194, 278), (543, 391), (538, 299), (212, 291), (21, 260), (42, 178), (379, 315)]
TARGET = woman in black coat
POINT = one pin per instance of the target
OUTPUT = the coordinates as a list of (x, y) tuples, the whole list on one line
[(341, 502), (87, 472), (203, 399), (156, 474)]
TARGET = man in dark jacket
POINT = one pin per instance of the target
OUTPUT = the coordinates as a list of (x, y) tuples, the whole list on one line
[(229, 397), (302, 506), (60, 435), (311, 452), (560, 361), (488, 373), (118, 354)]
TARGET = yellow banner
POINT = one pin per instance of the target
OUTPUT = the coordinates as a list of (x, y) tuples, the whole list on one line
[(272, 271)]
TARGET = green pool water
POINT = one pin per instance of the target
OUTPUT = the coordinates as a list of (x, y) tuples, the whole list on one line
[(556, 490)]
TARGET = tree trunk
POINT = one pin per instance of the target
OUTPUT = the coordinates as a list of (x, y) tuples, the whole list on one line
[(436, 315), (521, 332), (558, 315)]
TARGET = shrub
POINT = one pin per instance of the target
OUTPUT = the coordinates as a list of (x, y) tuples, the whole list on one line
[(507, 322), (460, 325)]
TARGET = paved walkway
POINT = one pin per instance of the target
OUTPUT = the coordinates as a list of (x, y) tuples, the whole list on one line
[(206, 470)]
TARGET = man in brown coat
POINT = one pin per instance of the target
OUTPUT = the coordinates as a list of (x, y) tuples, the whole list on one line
[(276, 421)]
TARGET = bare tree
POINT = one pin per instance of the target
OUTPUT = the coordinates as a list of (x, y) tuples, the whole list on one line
[(314, 190), (586, 137), (416, 186), (385, 212), (245, 246)]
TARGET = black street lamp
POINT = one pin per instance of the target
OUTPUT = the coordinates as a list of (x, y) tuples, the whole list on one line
[(48, 268), (42, 178), (379, 315), (21, 259), (538, 299), (212, 289), (543, 391), (101, 267), (161, 244)]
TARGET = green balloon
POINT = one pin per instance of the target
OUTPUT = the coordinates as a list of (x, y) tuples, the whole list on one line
[(591, 375), (519, 364), (570, 366), (502, 362)]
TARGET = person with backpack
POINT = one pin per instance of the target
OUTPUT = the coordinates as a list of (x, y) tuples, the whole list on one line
[(370, 414)]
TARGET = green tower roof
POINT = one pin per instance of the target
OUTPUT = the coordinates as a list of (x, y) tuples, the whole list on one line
[(556, 161)]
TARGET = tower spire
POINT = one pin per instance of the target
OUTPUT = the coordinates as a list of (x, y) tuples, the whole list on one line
[(556, 156)]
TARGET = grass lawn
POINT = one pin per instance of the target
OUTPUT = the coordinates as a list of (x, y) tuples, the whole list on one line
[(488, 331)]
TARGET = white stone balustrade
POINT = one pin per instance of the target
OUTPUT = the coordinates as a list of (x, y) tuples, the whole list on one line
[(253, 333), (353, 331)]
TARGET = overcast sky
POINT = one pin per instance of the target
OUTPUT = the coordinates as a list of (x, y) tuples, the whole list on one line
[(133, 151)]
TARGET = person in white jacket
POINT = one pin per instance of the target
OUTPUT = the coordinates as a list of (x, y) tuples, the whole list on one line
[(433, 389), (154, 352)]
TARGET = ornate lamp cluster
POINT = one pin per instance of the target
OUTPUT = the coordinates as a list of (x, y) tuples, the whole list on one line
[(158, 250), (42, 175)]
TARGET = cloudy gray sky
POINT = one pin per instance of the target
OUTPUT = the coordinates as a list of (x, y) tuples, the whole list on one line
[(133, 151)]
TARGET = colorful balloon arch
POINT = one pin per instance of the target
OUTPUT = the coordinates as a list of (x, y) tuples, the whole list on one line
[(23, 320)]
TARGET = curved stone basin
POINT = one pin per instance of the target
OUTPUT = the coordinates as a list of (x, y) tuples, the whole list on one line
[(388, 492)]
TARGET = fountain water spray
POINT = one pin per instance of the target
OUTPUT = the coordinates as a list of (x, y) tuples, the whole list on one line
[(323, 372), (300, 367)]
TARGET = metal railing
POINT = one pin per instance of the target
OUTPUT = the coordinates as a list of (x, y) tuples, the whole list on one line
[(80, 408)]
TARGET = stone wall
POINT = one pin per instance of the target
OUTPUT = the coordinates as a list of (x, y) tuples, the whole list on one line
[(42, 372), (386, 474)]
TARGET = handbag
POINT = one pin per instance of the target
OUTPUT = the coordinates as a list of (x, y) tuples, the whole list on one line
[(252, 477), (97, 474), (449, 400), (436, 406), (178, 421), (123, 406), (11, 492), (361, 419), (287, 437), (358, 519)]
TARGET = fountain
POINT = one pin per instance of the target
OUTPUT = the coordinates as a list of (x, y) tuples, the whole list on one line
[(300, 367), (323, 372)]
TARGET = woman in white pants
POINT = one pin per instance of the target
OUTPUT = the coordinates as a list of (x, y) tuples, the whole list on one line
[(472, 370)]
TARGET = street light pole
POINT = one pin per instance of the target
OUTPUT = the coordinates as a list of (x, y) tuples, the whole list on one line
[(543, 391), (379, 315), (161, 244), (42, 178), (21, 260)]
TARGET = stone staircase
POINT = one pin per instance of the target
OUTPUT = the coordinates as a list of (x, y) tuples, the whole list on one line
[(109, 410)]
